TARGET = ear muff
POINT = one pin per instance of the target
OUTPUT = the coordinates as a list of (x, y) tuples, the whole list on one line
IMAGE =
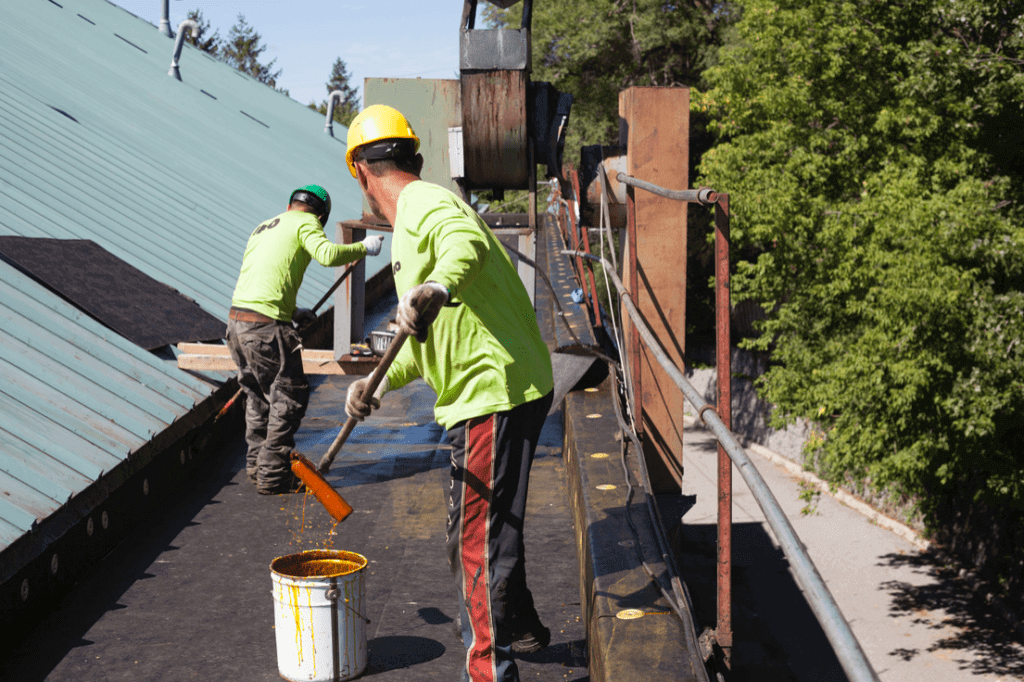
[(317, 198)]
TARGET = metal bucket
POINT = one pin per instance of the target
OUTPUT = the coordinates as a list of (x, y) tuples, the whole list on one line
[(318, 615)]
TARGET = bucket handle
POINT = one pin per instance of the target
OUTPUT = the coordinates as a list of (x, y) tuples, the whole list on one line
[(334, 594)]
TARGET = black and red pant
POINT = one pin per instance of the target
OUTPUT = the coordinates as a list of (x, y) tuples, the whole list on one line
[(490, 471)]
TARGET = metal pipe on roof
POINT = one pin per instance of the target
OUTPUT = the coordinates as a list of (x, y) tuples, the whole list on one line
[(179, 42), (165, 19), (329, 124)]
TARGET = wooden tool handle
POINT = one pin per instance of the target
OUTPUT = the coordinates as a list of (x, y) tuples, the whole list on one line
[(371, 386)]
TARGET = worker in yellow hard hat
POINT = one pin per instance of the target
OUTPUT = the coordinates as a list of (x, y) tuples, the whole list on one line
[(474, 339)]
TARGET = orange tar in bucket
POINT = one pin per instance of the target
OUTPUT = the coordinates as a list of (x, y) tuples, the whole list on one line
[(318, 615)]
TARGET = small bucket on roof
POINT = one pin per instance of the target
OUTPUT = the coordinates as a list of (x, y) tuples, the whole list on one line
[(318, 615)]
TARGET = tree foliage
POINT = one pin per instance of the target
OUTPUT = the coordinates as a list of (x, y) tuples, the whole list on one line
[(242, 50), (204, 40), (594, 49), (873, 154), (348, 107)]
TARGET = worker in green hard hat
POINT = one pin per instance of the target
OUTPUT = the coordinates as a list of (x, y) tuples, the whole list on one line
[(474, 339), (264, 344)]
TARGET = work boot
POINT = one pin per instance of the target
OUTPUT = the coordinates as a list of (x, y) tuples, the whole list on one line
[(534, 639), (289, 484)]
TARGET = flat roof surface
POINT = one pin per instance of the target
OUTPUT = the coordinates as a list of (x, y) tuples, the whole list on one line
[(190, 597)]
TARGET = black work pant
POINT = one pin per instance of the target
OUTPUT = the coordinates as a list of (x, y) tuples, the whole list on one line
[(269, 360), (490, 471)]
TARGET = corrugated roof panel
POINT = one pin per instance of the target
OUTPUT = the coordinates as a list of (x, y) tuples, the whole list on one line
[(29, 504), (58, 406), (167, 140), (96, 347), (98, 143)]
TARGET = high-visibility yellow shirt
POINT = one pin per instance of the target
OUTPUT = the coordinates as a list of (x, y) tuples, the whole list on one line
[(484, 352), (276, 258)]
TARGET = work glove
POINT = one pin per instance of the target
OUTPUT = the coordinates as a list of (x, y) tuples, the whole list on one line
[(355, 406), (373, 244), (303, 316), (419, 308)]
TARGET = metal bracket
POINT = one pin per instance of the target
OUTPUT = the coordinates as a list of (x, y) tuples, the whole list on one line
[(706, 644), (334, 594), (700, 415)]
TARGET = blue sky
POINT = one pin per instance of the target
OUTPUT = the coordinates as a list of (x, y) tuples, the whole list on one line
[(389, 39)]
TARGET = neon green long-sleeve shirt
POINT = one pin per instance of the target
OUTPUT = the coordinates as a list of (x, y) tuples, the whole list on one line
[(276, 258), (484, 354)]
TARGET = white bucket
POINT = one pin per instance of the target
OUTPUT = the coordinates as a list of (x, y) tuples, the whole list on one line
[(318, 615)]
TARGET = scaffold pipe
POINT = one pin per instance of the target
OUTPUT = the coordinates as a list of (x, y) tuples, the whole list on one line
[(704, 196)]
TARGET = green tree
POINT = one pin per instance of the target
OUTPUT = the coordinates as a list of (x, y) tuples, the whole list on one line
[(205, 41), (594, 49), (873, 153), (348, 107), (243, 49)]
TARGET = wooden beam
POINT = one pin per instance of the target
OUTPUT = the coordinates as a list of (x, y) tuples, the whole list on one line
[(216, 358)]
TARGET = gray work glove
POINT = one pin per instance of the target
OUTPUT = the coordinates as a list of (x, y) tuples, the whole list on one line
[(355, 406), (419, 308), (303, 317), (373, 244)]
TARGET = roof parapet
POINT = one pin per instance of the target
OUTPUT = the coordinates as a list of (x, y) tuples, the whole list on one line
[(179, 42)]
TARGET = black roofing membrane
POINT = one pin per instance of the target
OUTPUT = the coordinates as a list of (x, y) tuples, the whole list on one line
[(143, 310)]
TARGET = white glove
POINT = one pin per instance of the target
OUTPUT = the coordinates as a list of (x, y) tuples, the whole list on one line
[(419, 308), (355, 407), (373, 244)]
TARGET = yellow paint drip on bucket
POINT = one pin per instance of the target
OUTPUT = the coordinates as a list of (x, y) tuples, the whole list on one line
[(318, 615)]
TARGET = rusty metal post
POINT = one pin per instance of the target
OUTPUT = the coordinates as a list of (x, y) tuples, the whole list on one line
[(595, 305), (723, 629)]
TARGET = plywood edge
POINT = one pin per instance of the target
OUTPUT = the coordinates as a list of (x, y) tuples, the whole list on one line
[(215, 358)]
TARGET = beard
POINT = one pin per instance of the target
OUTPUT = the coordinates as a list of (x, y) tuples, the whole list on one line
[(374, 206)]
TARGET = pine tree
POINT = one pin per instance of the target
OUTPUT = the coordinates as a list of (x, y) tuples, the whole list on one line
[(242, 50), (348, 107), (206, 42)]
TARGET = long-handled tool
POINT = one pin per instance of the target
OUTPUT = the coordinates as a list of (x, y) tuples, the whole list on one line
[(337, 283), (368, 390)]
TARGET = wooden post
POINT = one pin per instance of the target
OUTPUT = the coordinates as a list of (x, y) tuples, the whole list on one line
[(655, 130), (350, 298)]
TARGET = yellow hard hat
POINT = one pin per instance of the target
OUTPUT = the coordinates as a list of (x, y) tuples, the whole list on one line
[(374, 123)]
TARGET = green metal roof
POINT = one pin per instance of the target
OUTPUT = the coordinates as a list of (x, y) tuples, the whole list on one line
[(98, 142)]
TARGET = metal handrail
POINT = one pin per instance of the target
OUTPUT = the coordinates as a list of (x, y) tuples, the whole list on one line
[(848, 650), (704, 196)]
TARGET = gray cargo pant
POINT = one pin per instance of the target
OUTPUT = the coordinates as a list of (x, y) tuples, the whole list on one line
[(269, 360)]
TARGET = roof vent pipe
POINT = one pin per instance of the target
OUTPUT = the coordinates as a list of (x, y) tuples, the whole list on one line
[(179, 43), (165, 19), (329, 125)]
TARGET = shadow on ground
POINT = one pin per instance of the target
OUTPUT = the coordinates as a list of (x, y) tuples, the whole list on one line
[(776, 635), (978, 628)]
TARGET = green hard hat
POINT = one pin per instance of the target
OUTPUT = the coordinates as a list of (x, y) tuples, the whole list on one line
[(316, 197)]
